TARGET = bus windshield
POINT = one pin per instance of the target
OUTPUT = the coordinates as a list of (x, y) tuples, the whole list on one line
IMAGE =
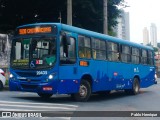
[(33, 52)]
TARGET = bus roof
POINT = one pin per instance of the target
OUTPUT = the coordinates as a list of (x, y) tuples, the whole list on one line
[(92, 34)]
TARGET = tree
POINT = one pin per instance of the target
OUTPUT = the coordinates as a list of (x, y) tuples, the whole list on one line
[(17, 12), (87, 14), (113, 12), (155, 49)]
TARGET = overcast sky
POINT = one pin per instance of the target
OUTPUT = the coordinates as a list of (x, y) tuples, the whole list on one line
[(142, 14)]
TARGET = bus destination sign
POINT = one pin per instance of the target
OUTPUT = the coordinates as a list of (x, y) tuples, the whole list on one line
[(35, 30)]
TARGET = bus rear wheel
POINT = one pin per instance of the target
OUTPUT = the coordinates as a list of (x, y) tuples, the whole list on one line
[(135, 87), (84, 92), (44, 95)]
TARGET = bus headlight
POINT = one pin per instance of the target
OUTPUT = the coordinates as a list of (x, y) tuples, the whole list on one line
[(50, 77), (11, 75), (155, 76)]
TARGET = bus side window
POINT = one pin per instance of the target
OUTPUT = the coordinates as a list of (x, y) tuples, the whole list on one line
[(150, 57), (98, 49), (81, 54), (94, 54), (88, 54), (113, 51), (118, 57), (125, 53), (144, 56), (84, 45)]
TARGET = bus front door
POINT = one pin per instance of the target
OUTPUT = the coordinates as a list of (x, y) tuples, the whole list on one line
[(68, 66)]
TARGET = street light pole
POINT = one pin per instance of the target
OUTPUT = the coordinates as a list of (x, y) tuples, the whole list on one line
[(105, 19), (69, 12)]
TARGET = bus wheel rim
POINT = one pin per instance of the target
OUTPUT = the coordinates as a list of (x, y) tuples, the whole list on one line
[(83, 91), (136, 87)]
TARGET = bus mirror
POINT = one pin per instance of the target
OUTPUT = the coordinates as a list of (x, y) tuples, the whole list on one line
[(44, 44), (68, 40)]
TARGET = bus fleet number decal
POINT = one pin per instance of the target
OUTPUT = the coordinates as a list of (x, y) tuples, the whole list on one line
[(41, 72)]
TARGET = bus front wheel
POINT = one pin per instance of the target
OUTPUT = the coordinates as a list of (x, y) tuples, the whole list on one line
[(84, 92), (44, 95)]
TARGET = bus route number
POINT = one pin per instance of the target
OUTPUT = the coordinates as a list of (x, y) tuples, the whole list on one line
[(41, 72)]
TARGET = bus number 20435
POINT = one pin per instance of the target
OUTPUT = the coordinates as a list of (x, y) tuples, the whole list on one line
[(41, 72)]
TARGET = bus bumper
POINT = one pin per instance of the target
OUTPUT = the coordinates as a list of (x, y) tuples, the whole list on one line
[(54, 87), (30, 87)]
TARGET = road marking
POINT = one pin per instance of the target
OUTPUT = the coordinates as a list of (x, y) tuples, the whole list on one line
[(10, 102), (42, 107), (29, 93), (66, 118), (10, 109), (55, 118)]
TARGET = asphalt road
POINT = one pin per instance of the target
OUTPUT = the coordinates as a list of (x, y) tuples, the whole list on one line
[(147, 100)]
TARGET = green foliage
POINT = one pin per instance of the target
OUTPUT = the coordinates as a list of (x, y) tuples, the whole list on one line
[(158, 44), (112, 33), (113, 13), (155, 49), (87, 14)]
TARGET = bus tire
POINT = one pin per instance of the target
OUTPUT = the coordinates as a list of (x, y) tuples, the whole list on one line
[(84, 92), (135, 87), (44, 95)]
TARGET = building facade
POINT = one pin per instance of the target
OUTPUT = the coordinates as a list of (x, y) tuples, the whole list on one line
[(123, 28), (153, 35), (145, 36)]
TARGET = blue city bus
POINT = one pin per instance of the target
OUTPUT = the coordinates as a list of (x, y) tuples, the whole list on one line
[(54, 58)]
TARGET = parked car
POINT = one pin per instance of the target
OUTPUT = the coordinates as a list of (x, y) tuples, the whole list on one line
[(2, 79)]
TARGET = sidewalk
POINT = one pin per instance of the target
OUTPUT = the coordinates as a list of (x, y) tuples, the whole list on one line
[(158, 80)]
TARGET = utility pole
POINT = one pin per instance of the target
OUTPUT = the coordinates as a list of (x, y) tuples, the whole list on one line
[(69, 12), (105, 19), (60, 17)]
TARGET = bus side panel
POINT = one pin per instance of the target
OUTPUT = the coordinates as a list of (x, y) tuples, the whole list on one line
[(99, 73), (97, 69), (119, 75), (69, 79), (146, 74)]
